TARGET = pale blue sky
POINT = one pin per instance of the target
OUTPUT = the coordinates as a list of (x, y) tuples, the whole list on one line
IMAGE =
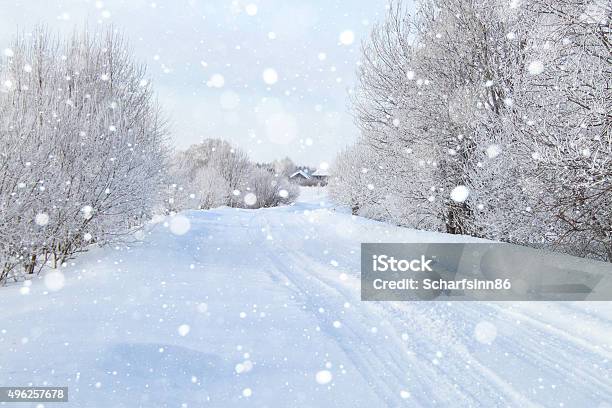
[(304, 115)]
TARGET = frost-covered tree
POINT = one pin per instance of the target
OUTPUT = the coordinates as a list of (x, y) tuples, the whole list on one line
[(213, 173), (269, 190), (207, 174), (212, 188), (352, 179), (490, 119), (284, 167), (551, 184), (566, 112), (82, 146), (437, 80)]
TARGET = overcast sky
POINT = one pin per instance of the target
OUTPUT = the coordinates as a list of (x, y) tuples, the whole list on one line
[(272, 76)]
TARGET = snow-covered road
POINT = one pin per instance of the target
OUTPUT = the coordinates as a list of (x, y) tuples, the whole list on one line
[(262, 308)]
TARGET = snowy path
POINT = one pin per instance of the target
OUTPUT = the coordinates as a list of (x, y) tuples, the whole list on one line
[(271, 297)]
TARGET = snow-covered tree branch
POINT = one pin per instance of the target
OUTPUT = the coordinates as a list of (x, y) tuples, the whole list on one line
[(491, 119), (82, 146)]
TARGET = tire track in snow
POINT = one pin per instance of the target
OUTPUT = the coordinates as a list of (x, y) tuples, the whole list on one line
[(432, 381), (527, 350)]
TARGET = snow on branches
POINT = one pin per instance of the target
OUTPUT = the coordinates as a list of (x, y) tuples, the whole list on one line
[(510, 104), (213, 173), (81, 142)]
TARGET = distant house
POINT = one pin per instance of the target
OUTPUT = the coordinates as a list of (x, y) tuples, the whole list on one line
[(306, 177), (300, 176), (321, 175)]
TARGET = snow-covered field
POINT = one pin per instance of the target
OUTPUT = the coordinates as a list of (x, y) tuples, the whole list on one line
[(262, 308)]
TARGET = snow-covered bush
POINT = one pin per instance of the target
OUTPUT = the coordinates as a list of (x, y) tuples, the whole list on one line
[(213, 188), (352, 179), (213, 173), (206, 175), (81, 141), (269, 190)]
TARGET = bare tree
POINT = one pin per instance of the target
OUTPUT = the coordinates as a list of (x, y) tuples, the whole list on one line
[(82, 146), (214, 173), (567, 105), (509, 105)]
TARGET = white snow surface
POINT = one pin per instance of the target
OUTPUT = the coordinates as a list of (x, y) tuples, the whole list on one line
[(262, 308)]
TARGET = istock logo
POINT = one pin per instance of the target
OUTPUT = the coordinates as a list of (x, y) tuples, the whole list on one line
[(384, 263)]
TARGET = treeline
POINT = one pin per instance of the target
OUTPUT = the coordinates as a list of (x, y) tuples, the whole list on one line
[(214, 173), (487, 118), (84, 158), (81, 147)]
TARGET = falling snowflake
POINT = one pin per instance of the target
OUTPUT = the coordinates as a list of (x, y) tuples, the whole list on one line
[(87, 211), (493, 151), (41, 219), (459, 194), (270, 76), (183, 330), (216, 81), (323, 377), (347, 37), (485, 332), (54, 280), (179, 225), (535, 67), (250, 199), (251, 9)]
